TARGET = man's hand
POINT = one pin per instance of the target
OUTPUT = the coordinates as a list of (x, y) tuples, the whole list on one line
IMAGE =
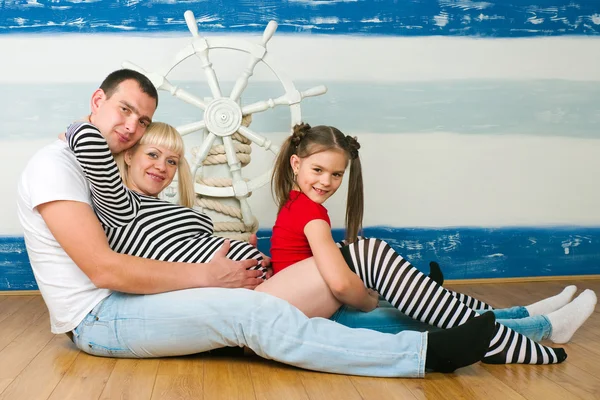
[(266, 259), (62, 137), (233, 274)]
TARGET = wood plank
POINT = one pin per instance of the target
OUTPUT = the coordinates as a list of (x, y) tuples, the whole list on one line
[(85, 379), (179, 378), (274, 381), (40, 377), (527, 279), (580, 383), (472, 382), (24, 348), (528, 381), (382, 388), (582, 358), (431, 387), (229, 378), (131, 379), (7, 293), (321, 386), (587, 338), (12, 304), (19, 321)]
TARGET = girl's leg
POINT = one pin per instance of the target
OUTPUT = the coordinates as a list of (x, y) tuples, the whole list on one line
[(419, 297), (437, 275), (471, 302)]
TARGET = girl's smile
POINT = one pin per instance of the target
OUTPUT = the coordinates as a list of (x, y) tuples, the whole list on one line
[(319, 175)]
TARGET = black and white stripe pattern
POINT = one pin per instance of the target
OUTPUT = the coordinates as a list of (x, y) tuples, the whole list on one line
[(141, 225), (469, 301), (421, 298)]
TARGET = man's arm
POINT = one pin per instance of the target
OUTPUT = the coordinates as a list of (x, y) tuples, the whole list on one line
[(76, 228)]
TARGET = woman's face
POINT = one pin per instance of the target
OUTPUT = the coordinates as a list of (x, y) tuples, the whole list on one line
[(151, 168)]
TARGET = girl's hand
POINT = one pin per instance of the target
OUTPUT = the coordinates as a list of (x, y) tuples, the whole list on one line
[(372, 301)]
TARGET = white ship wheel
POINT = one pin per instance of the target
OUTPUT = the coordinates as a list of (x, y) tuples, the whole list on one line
[(223, 115)]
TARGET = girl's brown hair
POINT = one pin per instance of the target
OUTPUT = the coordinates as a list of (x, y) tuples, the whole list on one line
[(306, 141)]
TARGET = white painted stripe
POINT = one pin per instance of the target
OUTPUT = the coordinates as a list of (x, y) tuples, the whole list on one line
[(37, 58)]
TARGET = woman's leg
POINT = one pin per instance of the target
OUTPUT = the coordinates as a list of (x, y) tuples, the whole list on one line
[(535, 328), (417, 296)]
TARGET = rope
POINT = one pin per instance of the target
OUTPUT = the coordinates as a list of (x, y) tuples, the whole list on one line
[(216, 156)]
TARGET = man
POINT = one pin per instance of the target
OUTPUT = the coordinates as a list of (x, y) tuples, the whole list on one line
[(113, 304)]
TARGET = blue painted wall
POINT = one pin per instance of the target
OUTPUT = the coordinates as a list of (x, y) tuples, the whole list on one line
[(463, 253), (515, 18)]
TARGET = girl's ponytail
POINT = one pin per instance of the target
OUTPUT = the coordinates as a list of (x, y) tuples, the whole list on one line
[(355, 201)]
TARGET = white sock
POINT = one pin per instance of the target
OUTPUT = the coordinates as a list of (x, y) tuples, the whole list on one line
[(546, 306), (569, 318)]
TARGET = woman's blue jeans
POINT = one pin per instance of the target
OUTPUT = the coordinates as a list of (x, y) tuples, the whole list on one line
[(388, 319)]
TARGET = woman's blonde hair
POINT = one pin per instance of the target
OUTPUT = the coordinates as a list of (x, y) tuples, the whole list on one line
[(165, 135)]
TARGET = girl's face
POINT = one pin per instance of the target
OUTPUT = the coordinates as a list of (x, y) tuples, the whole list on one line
[(319, 175), (151, 168)]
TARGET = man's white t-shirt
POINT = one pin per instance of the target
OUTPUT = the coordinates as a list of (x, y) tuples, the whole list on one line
[(54, 174)]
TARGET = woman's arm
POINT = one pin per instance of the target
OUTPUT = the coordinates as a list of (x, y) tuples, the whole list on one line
[(345, 285), (114, 204)]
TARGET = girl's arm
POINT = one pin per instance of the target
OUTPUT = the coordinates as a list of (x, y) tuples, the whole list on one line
[(114, 204), (345, 285)]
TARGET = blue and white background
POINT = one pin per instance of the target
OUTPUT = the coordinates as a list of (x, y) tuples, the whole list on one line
[(479, 120)]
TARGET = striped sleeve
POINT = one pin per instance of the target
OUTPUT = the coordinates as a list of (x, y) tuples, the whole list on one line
[(114, 203)]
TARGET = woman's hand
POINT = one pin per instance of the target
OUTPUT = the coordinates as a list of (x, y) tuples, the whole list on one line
[(371, 301)]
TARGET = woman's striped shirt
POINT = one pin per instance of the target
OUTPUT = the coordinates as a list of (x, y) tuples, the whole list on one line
[(141, 225)]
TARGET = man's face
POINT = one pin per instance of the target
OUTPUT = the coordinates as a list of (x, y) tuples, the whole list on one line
[(124, 117)]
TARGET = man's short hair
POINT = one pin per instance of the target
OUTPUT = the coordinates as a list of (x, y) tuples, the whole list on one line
[(114, 79)]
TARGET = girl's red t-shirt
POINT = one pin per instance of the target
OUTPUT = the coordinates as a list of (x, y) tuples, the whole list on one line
[(288, 242)]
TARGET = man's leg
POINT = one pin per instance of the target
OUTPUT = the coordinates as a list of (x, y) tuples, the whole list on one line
[(197, 320)]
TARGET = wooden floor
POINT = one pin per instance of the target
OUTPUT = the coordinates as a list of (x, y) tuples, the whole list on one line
[(35, 364)]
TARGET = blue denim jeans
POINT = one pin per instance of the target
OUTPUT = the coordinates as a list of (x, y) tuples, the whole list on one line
[(388, 319), (196, 320), (517, 318)]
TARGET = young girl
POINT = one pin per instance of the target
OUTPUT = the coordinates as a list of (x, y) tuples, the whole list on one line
[(309, 170), (136, 222)]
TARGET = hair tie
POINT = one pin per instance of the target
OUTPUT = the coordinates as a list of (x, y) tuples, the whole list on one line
[(299, 133), (353, 145)]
